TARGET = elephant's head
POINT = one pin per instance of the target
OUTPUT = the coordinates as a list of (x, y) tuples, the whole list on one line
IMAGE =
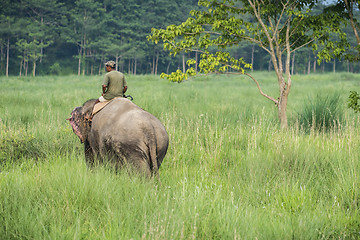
[(79, 120)]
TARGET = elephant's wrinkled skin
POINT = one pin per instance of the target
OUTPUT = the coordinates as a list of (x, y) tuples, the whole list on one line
[(122, 133)]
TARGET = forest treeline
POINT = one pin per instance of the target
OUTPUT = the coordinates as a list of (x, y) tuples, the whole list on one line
[(40, 37)]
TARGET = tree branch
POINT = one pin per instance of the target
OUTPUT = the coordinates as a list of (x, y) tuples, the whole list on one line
[(307, 43), (261, 92), (349, 9)]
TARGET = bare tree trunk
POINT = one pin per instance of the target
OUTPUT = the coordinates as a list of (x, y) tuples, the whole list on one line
[(168, 66), (84, 62), (25, 65), (135, 62), (282, 106), (196, 62), (34, 68), (100, 65), (79, 62), (314, 64), (293, 64), (156, 63), (334, 66), (26, 68), (41, 41), (269, 67), (7, 57), (284, 88), (21, 65), (183, 63), (153, 65), (2, 57), (129, 68), (84, 55), (309, 65), (117, 62), (252, 58)]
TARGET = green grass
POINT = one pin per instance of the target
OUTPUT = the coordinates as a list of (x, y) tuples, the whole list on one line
[(322, 113), (230, 172)]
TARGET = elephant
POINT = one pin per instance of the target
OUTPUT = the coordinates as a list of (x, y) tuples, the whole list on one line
[(123, 134)]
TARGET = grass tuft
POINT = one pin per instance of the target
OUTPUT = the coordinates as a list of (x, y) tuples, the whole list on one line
[(322, 113)]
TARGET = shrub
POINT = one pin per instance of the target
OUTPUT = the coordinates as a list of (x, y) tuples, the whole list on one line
[(321, 113), (353, 101), (18, 145), (55, 69)]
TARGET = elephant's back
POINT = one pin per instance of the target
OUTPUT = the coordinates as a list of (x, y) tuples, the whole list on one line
[(122, 113), (114, 110)]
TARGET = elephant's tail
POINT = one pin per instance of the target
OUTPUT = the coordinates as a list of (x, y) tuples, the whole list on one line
[(153, 157)]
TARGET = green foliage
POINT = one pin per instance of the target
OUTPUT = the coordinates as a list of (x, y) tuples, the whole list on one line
[(353, 101), (276, 28), (55, 69), (348, 13)]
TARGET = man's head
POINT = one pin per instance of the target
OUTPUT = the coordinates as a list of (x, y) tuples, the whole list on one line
[(110, 65)]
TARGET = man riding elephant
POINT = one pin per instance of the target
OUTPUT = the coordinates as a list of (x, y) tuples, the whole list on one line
[(114, 84), (121, 134)]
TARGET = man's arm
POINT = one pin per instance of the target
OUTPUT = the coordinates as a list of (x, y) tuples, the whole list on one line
[(104, 87)]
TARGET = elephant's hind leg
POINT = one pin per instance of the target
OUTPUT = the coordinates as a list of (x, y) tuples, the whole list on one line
[(141, 165), (136, 162)]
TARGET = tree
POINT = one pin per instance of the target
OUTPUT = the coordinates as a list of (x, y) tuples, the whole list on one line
[(47, 15), (122, 22), (350, 6), (32, 51), (349, 10), (278, 27), (87, 24), (6, 33)]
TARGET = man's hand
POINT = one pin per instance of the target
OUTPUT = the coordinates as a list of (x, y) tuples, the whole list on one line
[(104, 87)]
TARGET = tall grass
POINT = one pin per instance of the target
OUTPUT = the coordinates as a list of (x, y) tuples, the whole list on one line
[(322, 113), (230, 172)]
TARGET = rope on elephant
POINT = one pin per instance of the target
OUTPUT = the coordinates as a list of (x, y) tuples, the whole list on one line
[(129, 97)]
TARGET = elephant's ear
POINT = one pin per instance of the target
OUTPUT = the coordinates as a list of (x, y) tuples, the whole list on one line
[(75, 124), (87, 108), (88, 116)]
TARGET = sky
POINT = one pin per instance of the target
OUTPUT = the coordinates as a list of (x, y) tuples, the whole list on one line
[(330, 1)]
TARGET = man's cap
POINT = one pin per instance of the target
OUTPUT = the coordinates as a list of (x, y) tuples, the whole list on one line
[(111, 64)]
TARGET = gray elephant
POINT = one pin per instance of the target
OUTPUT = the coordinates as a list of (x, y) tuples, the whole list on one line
[(122, 134)]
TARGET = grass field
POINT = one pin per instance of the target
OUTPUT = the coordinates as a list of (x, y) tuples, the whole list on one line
[(230, 172)]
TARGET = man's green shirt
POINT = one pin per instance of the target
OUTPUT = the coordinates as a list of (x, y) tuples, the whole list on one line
[(115, 82)]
